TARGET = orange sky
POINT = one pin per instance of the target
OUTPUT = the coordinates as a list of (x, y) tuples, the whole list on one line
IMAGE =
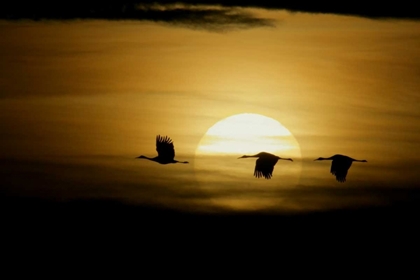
[(79, 100)]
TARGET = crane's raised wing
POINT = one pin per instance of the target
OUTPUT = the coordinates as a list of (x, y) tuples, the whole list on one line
[(264, 168), (165, 147), (339, 169)]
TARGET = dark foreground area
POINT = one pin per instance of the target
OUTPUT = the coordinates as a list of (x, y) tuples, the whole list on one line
[(69, 236), (75, 234), (85, 220)]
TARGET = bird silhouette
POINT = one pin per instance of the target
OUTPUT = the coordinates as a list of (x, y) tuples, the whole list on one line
[(165, 150), (340, 165), (264, 165)]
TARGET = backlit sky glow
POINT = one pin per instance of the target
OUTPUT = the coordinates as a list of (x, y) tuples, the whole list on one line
[(81, 99)]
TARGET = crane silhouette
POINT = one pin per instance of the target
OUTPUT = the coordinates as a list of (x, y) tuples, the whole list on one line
[(264, 165), (165, 150), (340, 165)]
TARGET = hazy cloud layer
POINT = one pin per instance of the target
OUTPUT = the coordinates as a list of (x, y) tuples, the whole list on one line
[(126, 180)]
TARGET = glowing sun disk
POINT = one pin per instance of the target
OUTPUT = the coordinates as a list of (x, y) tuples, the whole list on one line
[(247, 133)]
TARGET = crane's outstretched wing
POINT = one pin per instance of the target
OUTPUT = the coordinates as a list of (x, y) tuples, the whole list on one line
[(340, 168), (165, 147), (264, 168)]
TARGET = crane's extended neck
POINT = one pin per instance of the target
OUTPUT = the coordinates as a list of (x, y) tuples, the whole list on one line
[(286, 158), (145, 157), (262, 154), (340, 156), (321, 158), (246, 156)]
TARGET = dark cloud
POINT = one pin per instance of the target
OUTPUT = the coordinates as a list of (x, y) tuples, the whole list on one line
[(214, 18), (389, 9), (211, 14)]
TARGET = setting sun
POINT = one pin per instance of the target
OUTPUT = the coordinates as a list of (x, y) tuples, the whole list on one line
[(247, 133)]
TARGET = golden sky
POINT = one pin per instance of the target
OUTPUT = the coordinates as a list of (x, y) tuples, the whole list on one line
[(81, 99)]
